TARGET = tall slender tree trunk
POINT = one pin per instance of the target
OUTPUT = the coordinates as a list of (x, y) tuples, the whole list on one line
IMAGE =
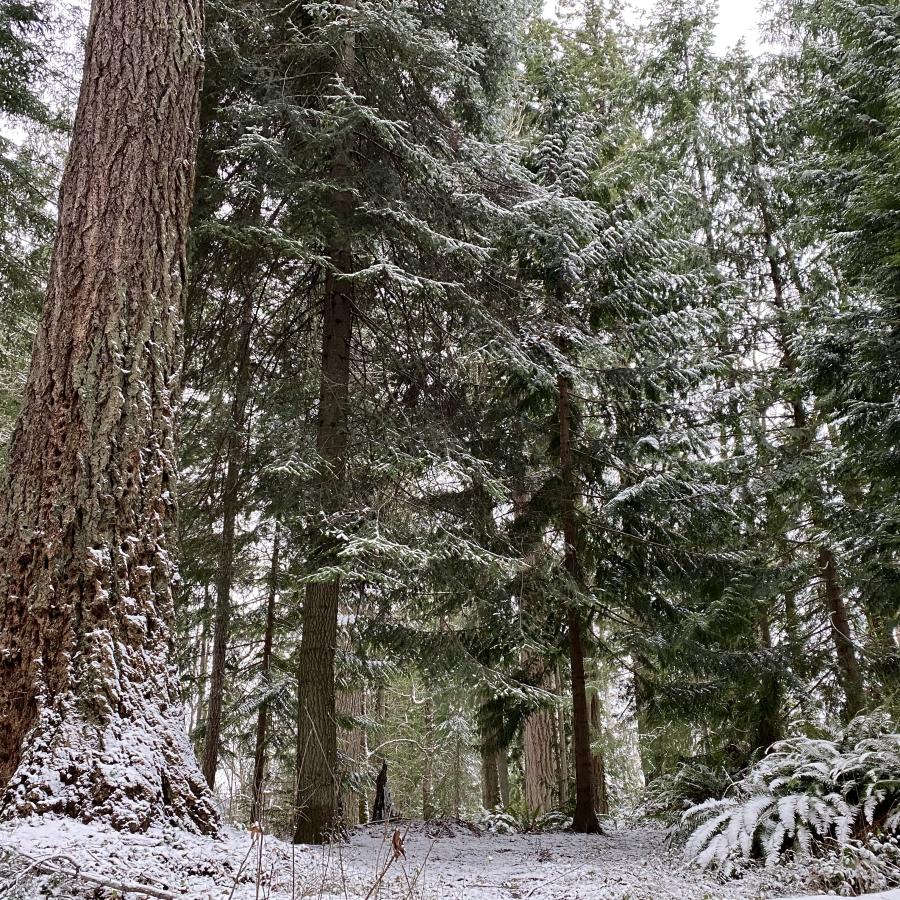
[(203, 666), (429, 736), (457, 778), (363, 804), (851, 676), (87, 510), (834, 606), (262, 717), (234, 455), (650, 767), (585, 818), (769, 724), (317, 726)]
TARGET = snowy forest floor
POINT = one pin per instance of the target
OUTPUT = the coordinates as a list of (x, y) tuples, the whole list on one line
[(442, 862)]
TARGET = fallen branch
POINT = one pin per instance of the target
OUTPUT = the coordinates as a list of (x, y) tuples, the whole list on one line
[(49, 866)]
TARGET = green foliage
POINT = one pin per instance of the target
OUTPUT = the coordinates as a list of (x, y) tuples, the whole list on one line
[(804, 796), (27, 180)]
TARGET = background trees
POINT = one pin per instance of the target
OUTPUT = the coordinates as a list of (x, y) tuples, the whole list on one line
[(537, 434)]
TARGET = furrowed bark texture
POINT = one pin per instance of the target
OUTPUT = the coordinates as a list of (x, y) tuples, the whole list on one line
[(490, 780), (318, 775), (537, 734), (90, 721), (540, 772)]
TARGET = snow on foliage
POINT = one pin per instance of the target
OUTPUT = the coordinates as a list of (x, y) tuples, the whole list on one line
[(828, 798)]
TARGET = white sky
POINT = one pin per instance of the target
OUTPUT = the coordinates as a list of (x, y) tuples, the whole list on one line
[(737, 19)]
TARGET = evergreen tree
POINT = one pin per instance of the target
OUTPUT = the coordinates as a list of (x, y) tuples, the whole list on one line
[(88, 506)]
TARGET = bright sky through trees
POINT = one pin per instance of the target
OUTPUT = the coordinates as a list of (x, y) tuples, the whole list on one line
[(737, 19)]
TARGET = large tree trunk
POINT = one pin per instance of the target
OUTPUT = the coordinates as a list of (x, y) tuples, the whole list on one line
[(90, 721), (537, 744), (490, 772), (540, 776), (225, 573), (262, 718), (317, 727), (585, 818)]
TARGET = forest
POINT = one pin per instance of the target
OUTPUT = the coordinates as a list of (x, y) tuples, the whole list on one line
[(438, 429)]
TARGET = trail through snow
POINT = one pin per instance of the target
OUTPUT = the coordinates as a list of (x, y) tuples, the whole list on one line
[(442, 862)]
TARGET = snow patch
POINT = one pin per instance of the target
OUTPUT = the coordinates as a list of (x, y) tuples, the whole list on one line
[(445, 861)]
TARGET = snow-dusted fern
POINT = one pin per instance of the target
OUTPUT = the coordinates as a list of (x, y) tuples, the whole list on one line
[(806, 795)]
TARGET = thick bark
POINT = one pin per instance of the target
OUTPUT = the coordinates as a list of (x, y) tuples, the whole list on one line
[(262, 718), (90, 722), (537, 732), (585, 818), (540, 774), (317, 727), (234, 455), (490, 773)]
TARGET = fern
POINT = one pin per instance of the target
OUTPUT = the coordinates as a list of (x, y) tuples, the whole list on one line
[(806, 796)]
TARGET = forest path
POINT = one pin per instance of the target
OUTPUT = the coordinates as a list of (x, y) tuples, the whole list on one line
[(446, 862)]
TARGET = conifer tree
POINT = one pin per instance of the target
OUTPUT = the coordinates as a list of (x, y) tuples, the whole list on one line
[(88, 704)]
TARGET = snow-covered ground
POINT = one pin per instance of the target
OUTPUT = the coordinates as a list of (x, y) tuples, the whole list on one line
[(446, 862)]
